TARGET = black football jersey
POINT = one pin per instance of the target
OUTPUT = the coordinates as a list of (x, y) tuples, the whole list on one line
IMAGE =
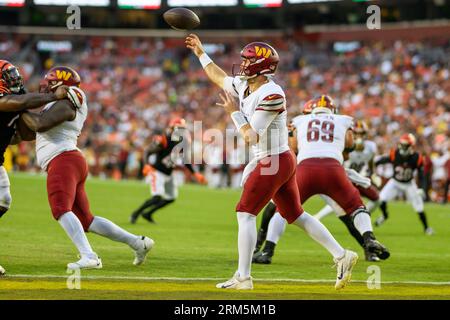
[(162, 160), (404, 166), (8, 129)]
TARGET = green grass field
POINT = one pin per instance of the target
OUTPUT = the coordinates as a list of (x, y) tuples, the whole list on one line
[(196, 245)]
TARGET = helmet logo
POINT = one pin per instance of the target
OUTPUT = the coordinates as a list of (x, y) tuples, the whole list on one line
[(62, 74), (262, 52), (322, 103)]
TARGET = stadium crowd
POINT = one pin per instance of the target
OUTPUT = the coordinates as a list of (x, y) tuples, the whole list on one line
[(135, 85)]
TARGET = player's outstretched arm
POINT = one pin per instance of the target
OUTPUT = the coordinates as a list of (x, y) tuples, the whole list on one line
[(60, 112), (214, 72), (21, 102)]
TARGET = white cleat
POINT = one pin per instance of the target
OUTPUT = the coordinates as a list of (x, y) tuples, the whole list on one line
[(429, 231), (145, 244), (237, 283), (86, 263), (344, 268), (2, 271)]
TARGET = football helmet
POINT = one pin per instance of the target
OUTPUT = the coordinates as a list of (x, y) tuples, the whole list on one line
[(323, 104), (308, 106), (11, 80), (257, 58), (177, 128), (177, 122), (360, 129), (59, 76), (406, 144)]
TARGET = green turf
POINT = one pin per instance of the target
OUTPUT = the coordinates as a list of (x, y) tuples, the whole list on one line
[(196, 238)]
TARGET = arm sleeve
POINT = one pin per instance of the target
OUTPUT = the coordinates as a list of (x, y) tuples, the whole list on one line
[(261, 120), (273, 102), (230, 85), (382, 160)]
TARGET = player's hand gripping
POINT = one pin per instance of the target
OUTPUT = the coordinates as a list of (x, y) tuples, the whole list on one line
[(193, 42), (228, 102), (61, 92)]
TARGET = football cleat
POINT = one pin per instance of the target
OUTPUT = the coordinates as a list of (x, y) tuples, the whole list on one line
[(2, 271), (144, 246), (148, 217), (237, 283), (260, 240), (344, 267), (263, 257), (370, 256), (86, 263), (134, 217), (380, 220), (374, 246), (429, 231)]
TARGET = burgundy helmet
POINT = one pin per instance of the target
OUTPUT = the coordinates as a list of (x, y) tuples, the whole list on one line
[(323, 102), (58, 76), (263, 59)]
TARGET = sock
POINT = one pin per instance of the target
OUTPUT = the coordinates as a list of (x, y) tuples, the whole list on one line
[(347, 220), (323, 212), (423, 219), (361, 220), (276, 228), (316, 230), (246, 242), (269, 247), (70, 223), (108, 229), (372, 205), (383, 207), (161, 203), (147, 204), (268, 213)]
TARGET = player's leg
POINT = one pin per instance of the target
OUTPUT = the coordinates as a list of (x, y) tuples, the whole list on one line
[(5, 194), (325, 211), (372, 194), (169, 196), (348, 198), (276, 228), (156, 181), (389, 192), (268, 213), (259, 187), (414, 197)]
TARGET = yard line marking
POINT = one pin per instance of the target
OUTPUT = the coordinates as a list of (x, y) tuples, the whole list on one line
[(51, 276)]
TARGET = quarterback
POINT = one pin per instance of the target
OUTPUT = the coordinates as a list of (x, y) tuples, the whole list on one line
[(57, 129), (260, 118)]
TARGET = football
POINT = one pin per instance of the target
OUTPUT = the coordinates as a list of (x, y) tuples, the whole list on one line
[(181, 19)]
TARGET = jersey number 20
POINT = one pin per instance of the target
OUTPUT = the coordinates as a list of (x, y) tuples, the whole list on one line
[(320, 130)]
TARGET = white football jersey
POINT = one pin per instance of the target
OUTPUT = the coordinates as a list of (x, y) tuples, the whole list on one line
[(359, 160), (321, 135), (63, 137), (270, 126)]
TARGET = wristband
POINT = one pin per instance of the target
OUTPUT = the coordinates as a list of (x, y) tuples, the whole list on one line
[(205, 60), (239, 119)]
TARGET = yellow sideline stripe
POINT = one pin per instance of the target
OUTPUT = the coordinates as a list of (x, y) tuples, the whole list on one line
[(7, 284)]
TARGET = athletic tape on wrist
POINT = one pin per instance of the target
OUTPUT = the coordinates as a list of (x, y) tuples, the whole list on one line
[(239, 119), (205, 60)]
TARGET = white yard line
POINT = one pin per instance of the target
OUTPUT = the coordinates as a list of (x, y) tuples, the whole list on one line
[(50, 276)]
